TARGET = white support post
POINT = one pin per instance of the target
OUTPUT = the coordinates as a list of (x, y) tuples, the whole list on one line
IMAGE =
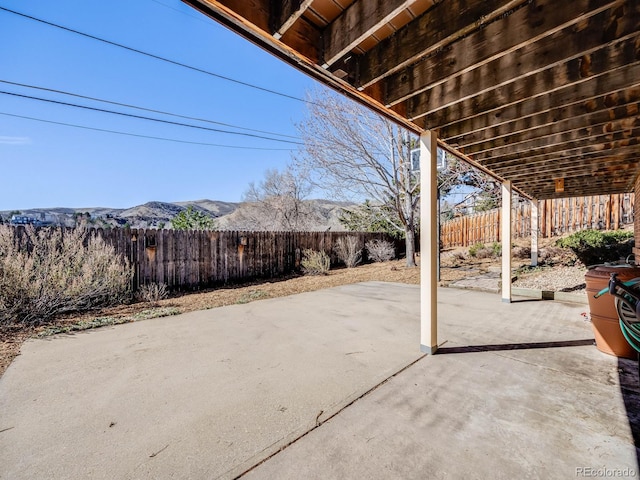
[(505, 235), (534, 232), (428, 242)]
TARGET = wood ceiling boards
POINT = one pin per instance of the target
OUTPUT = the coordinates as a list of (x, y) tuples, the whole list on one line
[(532, 90)]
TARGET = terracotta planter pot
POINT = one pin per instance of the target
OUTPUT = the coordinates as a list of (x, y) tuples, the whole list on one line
[(604, 317)]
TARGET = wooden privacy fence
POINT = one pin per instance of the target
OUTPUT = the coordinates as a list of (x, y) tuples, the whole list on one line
[(556, 217), (195, 259)]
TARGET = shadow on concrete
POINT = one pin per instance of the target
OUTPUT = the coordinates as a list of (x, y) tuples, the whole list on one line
[(524, 300), (630, 390), (515, 346)]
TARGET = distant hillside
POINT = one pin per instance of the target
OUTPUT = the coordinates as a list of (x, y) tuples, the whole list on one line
[(159, 214)]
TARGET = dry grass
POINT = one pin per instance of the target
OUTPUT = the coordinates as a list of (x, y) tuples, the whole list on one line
[(47, 272), (455, 264), (12, 338)]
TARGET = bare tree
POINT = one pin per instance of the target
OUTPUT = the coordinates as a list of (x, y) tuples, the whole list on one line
[(483, 189), (278, 203), (357, 154)]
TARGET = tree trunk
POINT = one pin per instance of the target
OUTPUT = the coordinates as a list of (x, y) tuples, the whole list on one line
[(410, 243)]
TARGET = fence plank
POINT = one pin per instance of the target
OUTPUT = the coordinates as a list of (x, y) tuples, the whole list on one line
[(557, 217), (183, 259), (195, 259), (548, 205)]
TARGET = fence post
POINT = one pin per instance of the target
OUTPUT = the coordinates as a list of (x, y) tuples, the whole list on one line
[(534, 232), (133, 235)]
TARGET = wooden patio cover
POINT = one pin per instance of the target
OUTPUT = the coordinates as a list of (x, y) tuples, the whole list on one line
[(531, 90)]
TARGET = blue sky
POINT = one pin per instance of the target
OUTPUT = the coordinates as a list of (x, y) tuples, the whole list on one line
[(49, 165)]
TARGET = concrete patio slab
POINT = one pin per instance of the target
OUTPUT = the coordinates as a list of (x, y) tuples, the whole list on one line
[(517, 391), (201, 395)]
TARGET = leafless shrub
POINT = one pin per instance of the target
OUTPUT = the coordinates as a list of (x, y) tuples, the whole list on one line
[(479, 250), (51, 271), (457, 257), (553, 255), (484, 253), (521, 252), (380, 250), (314, 262), (348, 251), (153, 293)]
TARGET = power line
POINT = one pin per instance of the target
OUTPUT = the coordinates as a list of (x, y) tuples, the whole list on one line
[(141, 136), (145, 109), (157, 57), (181, 12), (131, 115)]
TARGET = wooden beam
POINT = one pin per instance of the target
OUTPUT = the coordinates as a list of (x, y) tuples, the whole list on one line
[(520, 99), (602, 121), (444, 23), (287, 53), (583, 55), (565, 168), (523, 27), (621, 116), (556, 104), (562, 140), (582, 146), (361, 20), (305, 38), (295, 48), (615, 173), (252, 20), (256, 12), (288, 13), (577, 187)]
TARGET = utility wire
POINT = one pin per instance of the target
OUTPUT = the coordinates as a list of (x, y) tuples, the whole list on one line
[(145, 109), (151, 55), (181, 12), (141, 136), (131, 115)]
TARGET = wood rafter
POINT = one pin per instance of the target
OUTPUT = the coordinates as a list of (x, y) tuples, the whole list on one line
[(541, 109), (523, 27), (560, 141), (546, 184), (508, 103), (527, 90), (288, 14), (602, 121), (504, 75), (359, 21), (445, 23), (552, 121), (563, 166), (577, 187), (571, 148)]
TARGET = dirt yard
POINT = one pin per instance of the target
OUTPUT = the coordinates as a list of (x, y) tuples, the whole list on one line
[(455, 264)]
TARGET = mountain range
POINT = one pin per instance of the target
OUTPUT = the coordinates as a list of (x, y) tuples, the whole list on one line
[(155, 214)]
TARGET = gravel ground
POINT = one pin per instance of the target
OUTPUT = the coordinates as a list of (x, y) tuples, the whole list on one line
[(557, 279)]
